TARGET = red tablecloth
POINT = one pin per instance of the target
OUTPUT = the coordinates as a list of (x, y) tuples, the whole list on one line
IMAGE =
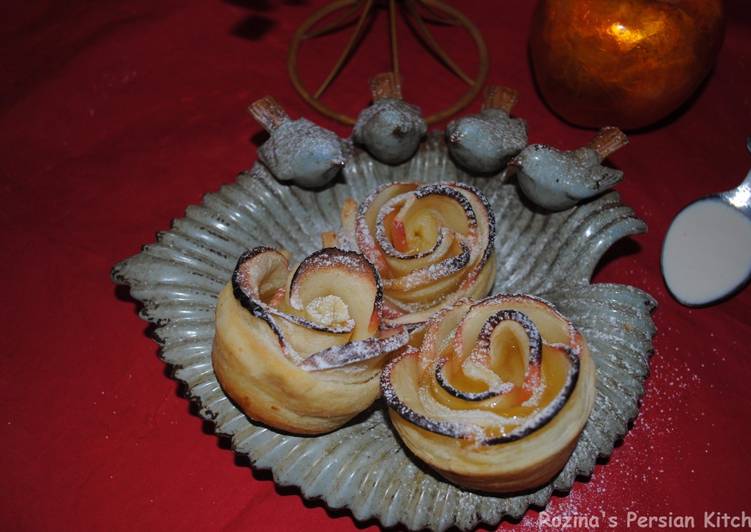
[(114, 116)]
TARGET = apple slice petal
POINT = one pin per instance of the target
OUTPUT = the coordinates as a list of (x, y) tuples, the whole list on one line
[(365, 224), (428, 387), (260, 272), (347, 275), (358, 351), (431, 243), (330, 312), (421, 277), (278, 332)]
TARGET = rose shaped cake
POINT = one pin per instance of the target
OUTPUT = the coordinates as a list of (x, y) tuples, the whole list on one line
[(302, 350), (496, 395), (432, 244)]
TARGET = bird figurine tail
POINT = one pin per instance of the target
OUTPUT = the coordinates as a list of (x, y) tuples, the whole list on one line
[(386, 86), (499, 97), (268, 113), (607, 141)]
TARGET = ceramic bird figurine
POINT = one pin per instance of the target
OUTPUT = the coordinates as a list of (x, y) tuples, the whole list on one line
[(391, 128), (297, 150), (483, 142), (557, 180)]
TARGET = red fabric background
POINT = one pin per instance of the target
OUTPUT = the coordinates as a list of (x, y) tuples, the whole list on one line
[(114, 116)]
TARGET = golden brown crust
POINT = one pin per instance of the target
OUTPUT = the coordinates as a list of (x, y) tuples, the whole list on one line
[(302, 351), (431, 243), (271, 389), (510, 467), (484, 456)]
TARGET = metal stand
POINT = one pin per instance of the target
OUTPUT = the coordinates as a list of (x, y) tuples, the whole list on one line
[(349, 11)]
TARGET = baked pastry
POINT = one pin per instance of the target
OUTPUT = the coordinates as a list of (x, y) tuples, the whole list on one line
[(495, 397), (302, 350), (432, 244)]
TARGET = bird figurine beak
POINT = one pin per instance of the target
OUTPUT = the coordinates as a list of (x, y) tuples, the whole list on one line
[(512, 167), (399, 131), (455, 137)]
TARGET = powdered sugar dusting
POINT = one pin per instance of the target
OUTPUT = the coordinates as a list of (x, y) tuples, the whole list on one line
[(432, 272), (353, 352), (329, 310), (478, 240), (482, 422), (327, 313)]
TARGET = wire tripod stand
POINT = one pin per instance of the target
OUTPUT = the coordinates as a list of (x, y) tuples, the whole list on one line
[(419, 13)]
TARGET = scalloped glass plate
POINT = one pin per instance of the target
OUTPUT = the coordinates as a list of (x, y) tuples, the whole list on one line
[(363, 466)]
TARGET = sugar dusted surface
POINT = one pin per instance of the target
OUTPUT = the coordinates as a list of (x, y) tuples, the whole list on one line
[(292, 137), (329, 311), (558, 180), (433, 272), (480, 249), (358, 351), (326, 313), (474, 423), (468, 502)]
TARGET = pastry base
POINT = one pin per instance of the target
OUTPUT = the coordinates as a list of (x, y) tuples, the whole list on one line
[(255, 374), (511, 467)]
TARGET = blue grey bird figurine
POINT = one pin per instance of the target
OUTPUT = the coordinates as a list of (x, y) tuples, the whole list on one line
[(297, 150), (390, 129), (483, 142), (557, 180)]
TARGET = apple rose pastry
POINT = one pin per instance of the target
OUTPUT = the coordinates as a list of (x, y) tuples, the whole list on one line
[(432, 245), (302, 351), (496, 395)]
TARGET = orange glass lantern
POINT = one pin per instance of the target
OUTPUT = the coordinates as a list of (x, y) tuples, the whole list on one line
[(624, 63)]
